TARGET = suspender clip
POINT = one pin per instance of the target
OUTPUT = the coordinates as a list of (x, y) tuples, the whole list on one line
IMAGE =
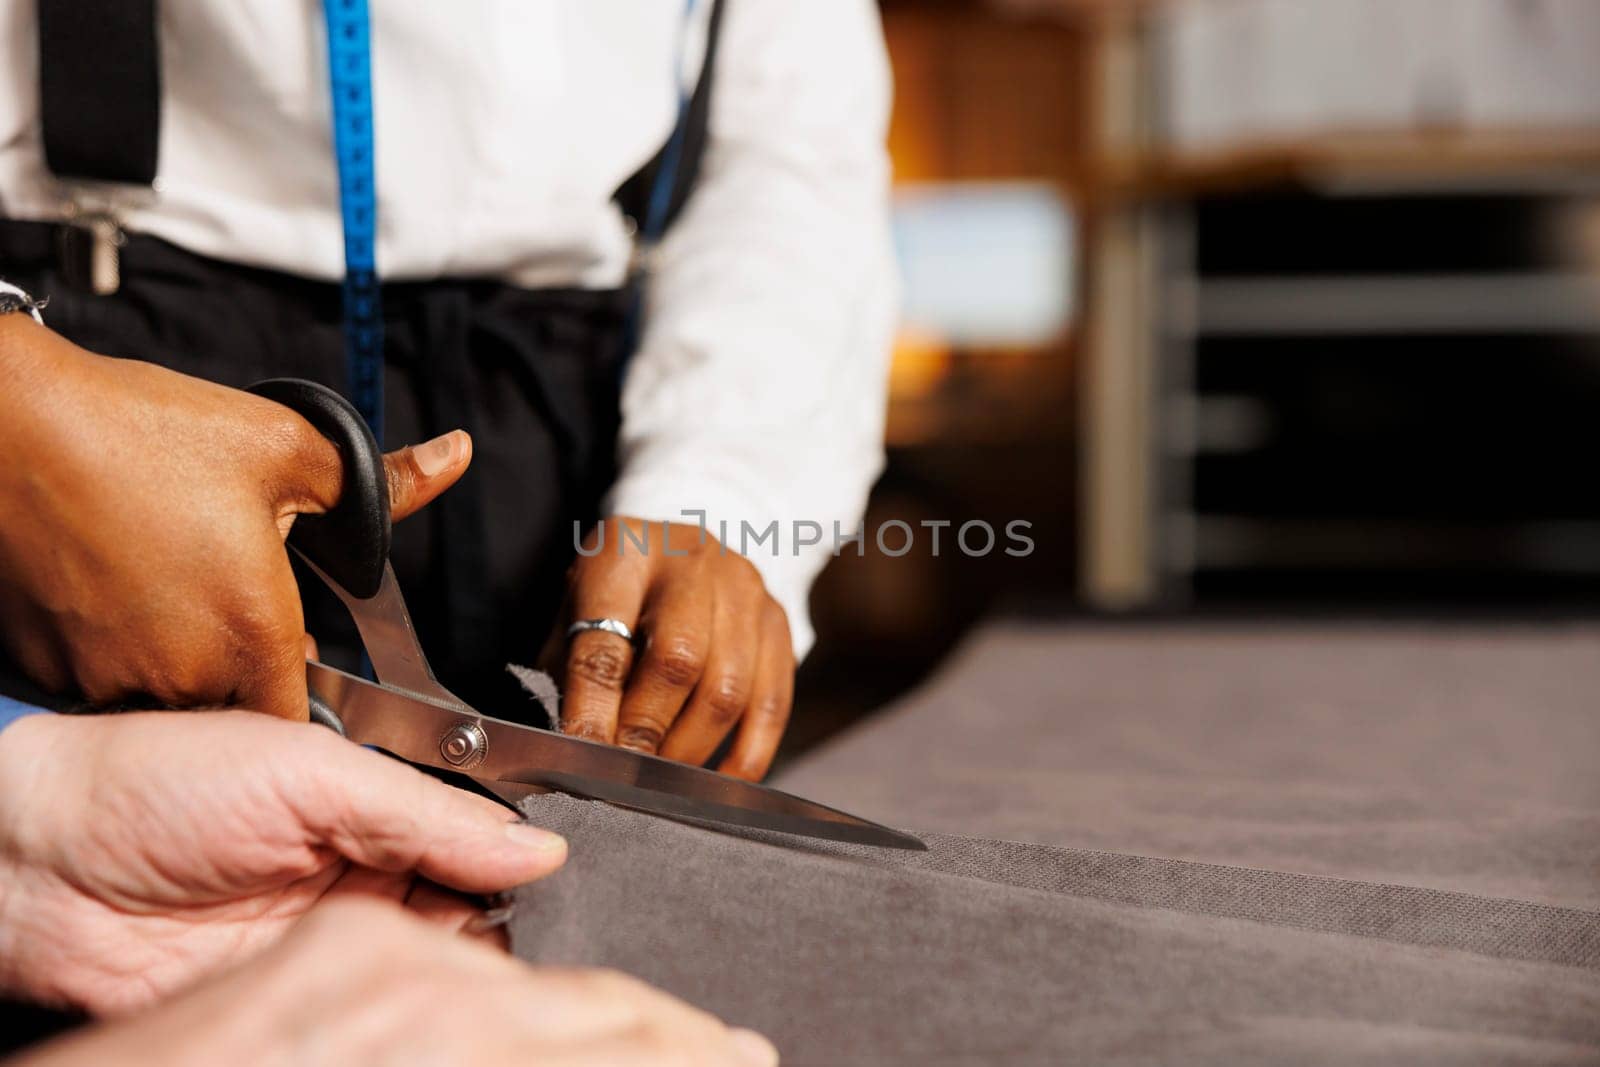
[(89, 252), (641, 251)]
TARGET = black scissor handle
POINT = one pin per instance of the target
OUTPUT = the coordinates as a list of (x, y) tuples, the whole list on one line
[(350, 543)]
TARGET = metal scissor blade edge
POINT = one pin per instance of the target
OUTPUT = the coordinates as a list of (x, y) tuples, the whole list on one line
[(660, 802), (653, 784), (413, 725)]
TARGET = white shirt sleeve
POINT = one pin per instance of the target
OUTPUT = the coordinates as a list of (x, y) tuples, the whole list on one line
[(7, 289), (758, 391)]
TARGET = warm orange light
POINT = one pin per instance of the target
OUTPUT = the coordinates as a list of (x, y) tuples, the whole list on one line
[(921, 363)]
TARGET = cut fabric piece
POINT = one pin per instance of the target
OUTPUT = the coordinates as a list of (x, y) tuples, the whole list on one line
[(541, 687), (1307, 844)]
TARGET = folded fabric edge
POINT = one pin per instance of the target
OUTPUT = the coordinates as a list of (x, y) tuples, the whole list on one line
[(1487, 926)]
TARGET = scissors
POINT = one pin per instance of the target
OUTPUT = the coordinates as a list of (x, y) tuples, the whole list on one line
[(408, 713)]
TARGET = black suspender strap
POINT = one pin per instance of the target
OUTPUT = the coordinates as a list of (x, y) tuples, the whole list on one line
[(100, 88), (633, 195), (100, 100)]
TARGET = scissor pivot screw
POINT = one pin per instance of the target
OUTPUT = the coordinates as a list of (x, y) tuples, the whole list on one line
[(464, 745)]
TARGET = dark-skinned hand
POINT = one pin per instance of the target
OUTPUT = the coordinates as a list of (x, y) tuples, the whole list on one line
[(145, 513), (713, 657)]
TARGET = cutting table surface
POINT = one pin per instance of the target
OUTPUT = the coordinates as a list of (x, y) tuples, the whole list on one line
[(1239, 843)]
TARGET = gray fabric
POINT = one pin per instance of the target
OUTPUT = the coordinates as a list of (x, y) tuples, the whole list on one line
[(1314, 845), (542, 688), (1461, 758)]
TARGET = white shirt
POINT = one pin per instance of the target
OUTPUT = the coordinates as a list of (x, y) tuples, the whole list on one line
[(502, 128)]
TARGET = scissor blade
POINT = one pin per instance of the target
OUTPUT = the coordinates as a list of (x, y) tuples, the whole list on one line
[(387, 635), (415, 728)]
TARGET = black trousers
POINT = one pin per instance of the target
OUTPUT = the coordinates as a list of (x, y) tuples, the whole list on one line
[(534, 376)]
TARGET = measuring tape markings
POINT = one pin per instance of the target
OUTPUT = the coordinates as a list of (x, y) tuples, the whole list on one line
[(350, 76)]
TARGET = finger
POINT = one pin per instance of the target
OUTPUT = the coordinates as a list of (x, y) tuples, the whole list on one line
[(581, 1006), (454, 912), (753, 1049), (441, 906), (36, 646), (677, 628), (421, 472), (314, 473), (313, 653), (273, 655), (553, 653), (356, 881), (723, 693), (597, 663), (278, 688), (306, 468), (771, 697), (663, 1044), (380, 813)]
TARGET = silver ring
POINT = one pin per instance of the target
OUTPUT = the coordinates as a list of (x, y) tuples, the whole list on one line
[(610, 626)]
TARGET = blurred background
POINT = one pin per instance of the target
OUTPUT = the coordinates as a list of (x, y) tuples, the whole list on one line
[(1247, 306)]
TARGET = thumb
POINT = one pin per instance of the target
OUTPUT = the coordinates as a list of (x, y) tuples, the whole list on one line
[(313, 476), (419, 473), (380, 813)]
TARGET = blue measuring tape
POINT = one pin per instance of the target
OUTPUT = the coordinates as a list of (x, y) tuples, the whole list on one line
[(655, 213), (350, 75), (661, 191)]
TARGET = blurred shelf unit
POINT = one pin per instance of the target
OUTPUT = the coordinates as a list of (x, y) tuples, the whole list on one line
[(1236, 72), (1400, 403), (986, 273), (1343, 313), (985, 138)]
